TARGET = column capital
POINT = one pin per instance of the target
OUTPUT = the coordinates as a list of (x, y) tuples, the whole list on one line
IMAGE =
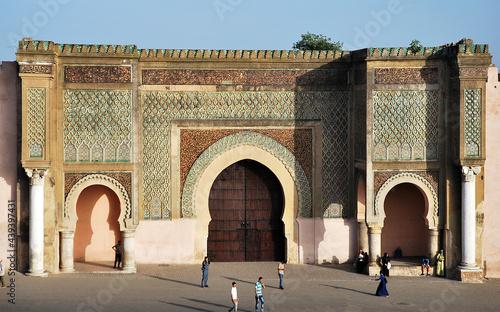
[(469, 173), (36, 175)]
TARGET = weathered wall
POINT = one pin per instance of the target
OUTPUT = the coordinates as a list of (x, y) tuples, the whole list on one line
[(8, 159), (165, 242), (491, 234), (327, 240)]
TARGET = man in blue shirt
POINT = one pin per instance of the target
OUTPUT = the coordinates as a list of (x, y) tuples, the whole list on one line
[(425, 265), (258, 295)]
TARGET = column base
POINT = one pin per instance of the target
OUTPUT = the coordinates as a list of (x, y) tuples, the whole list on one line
[(37, 274), (67, 270), (470, 274), (373, 269), (131, 270)]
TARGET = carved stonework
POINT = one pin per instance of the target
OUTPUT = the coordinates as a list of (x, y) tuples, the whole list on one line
[(323, 77), (413, 178), (97, 74), (35, 69), (194, 142), (473, 72), (469, 173), (124, 193), (380, 177), (124, 178), (36, 175), (406, 75)]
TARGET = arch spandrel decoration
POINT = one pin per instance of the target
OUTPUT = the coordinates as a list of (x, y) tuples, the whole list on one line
[(241, 139), (432, 206), (69, 213)]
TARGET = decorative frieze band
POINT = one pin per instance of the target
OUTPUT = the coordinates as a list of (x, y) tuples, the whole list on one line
[(97, 74), (406, 75), (321, 77), (35, 69)]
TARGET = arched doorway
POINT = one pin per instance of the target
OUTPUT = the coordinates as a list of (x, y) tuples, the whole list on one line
[(405, 221), (97, 227), (246, 207)]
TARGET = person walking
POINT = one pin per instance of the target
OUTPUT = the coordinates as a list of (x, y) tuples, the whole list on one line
[(234, 298), (2, 273), (258, 295), (204, 270), (382, 286), (281, 272), (118, 254), (440, 264), (386, 264)]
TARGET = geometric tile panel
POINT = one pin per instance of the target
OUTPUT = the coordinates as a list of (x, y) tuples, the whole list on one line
[(36, 121), (406, 122), (159, 108), (97, 118), (473, 125)]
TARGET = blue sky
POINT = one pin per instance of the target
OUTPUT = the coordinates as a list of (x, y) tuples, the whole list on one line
[(248, 24)]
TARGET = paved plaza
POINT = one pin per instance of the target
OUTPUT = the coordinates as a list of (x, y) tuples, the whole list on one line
[(177, 288)]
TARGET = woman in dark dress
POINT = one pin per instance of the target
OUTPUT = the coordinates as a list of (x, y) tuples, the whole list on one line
[(382, 289), (385, 264)]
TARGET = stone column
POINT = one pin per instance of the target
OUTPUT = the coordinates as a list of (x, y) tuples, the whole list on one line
[(468, 268), (362, 236), (375, 241), (432, 246), (36, 222), (67, 243), (128, 237)]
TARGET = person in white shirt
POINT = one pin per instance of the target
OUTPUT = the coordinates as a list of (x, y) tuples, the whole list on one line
[(234, 298)]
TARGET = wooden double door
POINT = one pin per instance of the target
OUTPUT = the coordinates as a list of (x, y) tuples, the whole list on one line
[(246, 206)]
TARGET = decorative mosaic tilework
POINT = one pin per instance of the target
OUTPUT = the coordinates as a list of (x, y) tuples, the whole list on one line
[(123, 152), (97, 74), (360, 124), (110, 152), (406, 75), (36, 121), (35, 69), (409, 118), (83, 153), (70, 152), (240, 139), (473, 122), (97, 152), (160, 107), (319, 77), (98, 118), (194, 142)]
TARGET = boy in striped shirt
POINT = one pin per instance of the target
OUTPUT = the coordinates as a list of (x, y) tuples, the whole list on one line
[(258, 295)]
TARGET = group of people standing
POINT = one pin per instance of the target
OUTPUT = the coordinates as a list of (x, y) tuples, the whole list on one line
[(385, 265)]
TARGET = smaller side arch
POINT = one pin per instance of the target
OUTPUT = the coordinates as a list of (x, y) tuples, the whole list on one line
[(69, 213), (377, 215)]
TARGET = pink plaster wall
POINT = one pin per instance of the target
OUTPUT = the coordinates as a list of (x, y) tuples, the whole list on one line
[(491, 234), (8, 148), (327, 240), (165, 241), (97, 228), (404, 224)]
